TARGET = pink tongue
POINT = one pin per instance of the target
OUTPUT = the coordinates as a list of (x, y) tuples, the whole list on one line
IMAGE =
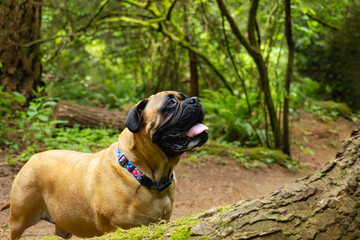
[(196, 130)]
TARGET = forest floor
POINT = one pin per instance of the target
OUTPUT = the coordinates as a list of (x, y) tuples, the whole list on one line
[(202, 186)]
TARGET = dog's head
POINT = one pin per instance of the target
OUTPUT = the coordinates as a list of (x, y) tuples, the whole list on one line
[(171, 120)]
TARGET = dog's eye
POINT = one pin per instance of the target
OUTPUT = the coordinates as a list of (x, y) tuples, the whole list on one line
[(172, 103)]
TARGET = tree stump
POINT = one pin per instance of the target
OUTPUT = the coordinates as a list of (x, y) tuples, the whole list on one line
[(88, 116)]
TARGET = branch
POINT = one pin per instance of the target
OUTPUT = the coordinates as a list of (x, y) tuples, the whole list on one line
[(235, 28), (150, 24), (71, 35), (235, 67), (322, 22), (137, 4), (179, 39), (101, 7), (272, 11), (188, 46), (241, 80), (252, 22), (168, 15)]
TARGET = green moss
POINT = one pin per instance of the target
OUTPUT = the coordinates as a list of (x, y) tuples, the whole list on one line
[(341, 108), (47, 238), (249, 157), (185, 223), (150, 232), (177, 230)]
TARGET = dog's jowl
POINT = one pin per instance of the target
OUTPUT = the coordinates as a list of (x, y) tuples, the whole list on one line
[(128, 184)]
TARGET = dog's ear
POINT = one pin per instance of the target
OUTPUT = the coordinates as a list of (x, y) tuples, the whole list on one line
[(135, 116)]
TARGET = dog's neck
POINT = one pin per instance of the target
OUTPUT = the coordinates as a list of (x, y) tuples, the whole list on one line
[(147, 156)]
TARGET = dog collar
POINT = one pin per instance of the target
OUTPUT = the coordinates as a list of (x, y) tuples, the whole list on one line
[(141, 177)]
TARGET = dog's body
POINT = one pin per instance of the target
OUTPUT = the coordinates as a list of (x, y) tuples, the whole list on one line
[(91, 194)]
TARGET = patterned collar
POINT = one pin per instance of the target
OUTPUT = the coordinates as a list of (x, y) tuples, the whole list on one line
[(141, 177)]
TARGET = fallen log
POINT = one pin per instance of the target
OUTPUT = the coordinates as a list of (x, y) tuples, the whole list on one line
[(323, 205), (88, 116)]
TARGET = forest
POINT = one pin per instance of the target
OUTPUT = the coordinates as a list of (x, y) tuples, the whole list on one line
[(278, 80)]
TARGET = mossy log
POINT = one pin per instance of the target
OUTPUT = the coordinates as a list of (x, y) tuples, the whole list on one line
[(88, 116), (323, 205)]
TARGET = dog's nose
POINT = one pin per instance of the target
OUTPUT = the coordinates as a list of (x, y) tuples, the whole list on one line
[(193, 100)]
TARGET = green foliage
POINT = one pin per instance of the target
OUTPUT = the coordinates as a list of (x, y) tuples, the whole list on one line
[(7, 115), (303, 89), (248, 157), (36, 123), (332, 57), (39, 132), (33, 125), (83, 140), (95, 57), (77, 139), (228, 117)]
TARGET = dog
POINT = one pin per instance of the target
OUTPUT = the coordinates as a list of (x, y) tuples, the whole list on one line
[(128, 184)]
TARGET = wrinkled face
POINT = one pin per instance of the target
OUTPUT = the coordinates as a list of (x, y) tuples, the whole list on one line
[(173, 121)]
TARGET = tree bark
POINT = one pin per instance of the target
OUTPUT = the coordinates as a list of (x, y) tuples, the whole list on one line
[(288, 75), (87, 116), (193, 64), (323, 205), (194, 77), (21, 66)]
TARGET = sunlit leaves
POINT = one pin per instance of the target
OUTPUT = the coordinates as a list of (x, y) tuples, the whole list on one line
[(96, 48)]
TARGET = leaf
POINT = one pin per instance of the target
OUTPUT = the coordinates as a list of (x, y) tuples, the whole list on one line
[(49, 103), (43, 118), (312, 11), (34, 108), (31, 114), (19, 97)]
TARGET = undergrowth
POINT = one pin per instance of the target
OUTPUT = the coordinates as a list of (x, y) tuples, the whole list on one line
[(31, 130), (75, 138), (218, 152)]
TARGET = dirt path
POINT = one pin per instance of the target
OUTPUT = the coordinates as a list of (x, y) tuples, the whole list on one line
[(200, 187)]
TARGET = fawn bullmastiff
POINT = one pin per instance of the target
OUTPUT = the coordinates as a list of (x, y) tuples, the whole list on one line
[(128, 184)]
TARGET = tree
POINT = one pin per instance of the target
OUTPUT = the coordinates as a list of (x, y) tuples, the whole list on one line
[(159, 17), (252, 46), (323, 205), (288, 75), (19, 52)]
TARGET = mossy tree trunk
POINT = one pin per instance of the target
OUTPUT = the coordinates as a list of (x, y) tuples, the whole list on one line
[(323, 205), (19, 54)]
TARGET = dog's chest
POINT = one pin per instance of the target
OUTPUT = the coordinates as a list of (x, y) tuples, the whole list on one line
[(162, 208), (141, 210), (145, 212)]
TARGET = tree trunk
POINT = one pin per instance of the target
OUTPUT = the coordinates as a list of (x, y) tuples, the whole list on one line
[(194, 77), (288, 75), (21, 66), (323, 205), (87, 116), (254, 51)]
